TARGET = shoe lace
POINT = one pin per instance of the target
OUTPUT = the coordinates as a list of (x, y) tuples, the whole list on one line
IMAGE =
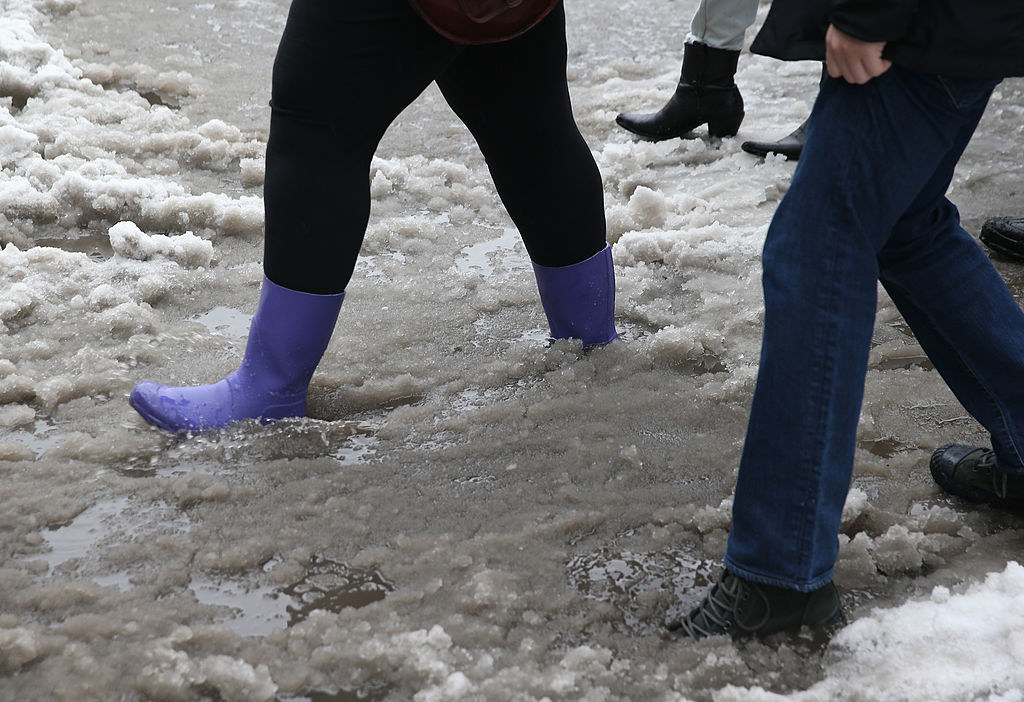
[(987, 464), (715, 614)]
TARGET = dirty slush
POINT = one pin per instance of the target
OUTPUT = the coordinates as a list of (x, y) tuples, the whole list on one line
[(469, 512)]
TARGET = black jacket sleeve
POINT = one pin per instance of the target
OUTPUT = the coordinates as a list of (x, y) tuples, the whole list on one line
[(969, 38), (794, 30), (873, 20)]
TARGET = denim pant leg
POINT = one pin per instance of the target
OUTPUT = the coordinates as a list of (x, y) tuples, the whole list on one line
[(962, 314), (722, 23), (871, 151)]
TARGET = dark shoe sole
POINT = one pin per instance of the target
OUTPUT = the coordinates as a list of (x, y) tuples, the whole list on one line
[(791, 146), (763, 148), (716, 130), (650, 136), (1004, 243)]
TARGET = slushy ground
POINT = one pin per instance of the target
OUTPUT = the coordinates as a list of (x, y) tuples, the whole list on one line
[(469, 512)]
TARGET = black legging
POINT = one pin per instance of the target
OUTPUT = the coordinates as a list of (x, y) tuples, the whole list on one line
[(346, 68)]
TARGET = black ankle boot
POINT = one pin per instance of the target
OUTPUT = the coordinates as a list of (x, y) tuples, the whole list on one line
[(742, 608), (706, 94), (789, 146)]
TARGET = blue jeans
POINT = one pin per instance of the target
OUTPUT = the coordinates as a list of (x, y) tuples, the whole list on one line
[(867, 204)]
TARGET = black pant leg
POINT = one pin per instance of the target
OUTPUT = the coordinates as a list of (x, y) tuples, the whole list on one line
[(343, 72), (514, 98)]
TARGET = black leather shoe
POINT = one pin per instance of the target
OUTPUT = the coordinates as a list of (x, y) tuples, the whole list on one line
[(789, 146), (1005, 236), (742, 608), (706, 94), (970, 472)]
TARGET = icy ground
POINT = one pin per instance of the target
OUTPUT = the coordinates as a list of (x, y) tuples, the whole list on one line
[(469, 513)]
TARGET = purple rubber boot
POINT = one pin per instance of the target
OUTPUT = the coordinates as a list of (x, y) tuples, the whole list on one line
[(288, 335), (579, 299)]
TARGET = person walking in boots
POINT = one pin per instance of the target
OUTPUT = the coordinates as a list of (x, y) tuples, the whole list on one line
[(706, 92), (909, 80), (343, 72)]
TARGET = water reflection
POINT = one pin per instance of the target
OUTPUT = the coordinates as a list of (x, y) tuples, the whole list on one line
[(623, 578), (327, 585), (95, 245)]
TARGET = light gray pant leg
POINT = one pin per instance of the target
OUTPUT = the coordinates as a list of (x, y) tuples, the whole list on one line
[(722, 23)]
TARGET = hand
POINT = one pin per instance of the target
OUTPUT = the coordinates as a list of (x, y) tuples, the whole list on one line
[(853, 60)]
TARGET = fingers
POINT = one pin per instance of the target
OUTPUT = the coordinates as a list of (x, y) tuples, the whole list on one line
[(853, 60)]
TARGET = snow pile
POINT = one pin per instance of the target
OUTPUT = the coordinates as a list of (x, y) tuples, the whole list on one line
[(74, 151), (951, 647), (72, 327), (29, 65), (172, 674), (441, 670)]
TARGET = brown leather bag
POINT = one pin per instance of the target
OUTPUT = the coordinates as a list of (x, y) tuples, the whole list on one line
[(482, 21)]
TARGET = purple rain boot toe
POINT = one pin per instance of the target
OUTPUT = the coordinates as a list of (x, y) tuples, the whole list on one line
[(185, 409), (145, 399)]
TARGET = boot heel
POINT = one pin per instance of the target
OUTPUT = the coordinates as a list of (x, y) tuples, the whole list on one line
[(722, 127)]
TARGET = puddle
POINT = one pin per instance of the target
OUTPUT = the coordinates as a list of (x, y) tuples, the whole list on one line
[(39, 440), (231, 449), (74, 539), (893, 362), (871, 485), (622, 578), (95, 245), (479, 257), (369, 266), (247, 442), (360, 446), (328, 585), (333, 586), (105, 523), (226, 321), (538, 335), (169, 100), (473, 399), (475, 480), (366, 694), (885, 447)]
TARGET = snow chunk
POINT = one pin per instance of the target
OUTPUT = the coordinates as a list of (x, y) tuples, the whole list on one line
[(237, 680), (856, 503), (455, 687), (253, 171), (171, 674), (707, 519), (15, 144), (16, 415), (217, 129), (187, 250), (648, 208), (17, 647), (13, 451)]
